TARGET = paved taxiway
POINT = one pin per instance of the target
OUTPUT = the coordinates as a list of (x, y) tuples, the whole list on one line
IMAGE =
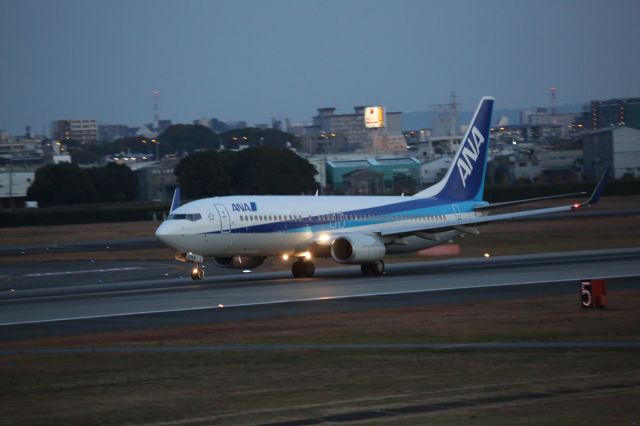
[(52, 297)]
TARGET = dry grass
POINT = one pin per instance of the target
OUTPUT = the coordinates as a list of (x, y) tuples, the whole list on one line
[(63, 234), (257, 387), (540, 319)]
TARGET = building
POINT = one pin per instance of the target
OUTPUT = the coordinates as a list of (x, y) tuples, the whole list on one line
[(543, 116), (615, 147), (21, 152), (433, 171), (84, 131), (382, 176), (13, 187), (112, 132), (156, 180), (349, 132), (611, 112)]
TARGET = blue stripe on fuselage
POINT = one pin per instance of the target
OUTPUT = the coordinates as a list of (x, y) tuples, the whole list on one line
[(420, 207)]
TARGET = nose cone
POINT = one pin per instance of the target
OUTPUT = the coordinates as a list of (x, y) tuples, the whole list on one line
[(164, 233)]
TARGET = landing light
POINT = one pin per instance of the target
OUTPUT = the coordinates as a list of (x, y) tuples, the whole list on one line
[(487, 255), (285, 257), (306, 255), (576, 205), (323, 238), (246, 271)]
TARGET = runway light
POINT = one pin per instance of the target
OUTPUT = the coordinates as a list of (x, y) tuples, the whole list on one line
[(487, 255), (220, 305), (285, 257)]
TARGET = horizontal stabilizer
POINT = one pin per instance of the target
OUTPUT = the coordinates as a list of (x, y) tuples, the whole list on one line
[(526, 201)]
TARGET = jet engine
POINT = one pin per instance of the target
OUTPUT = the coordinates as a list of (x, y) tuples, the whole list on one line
[(239, 262), (357, 248)]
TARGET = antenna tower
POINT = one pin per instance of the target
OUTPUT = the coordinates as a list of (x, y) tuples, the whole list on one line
[(554, 115), (156, 115)]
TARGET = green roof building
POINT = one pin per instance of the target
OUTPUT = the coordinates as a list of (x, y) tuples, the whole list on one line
[(374, 176)]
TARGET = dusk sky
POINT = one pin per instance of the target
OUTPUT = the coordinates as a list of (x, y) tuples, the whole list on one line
[(253, 60)]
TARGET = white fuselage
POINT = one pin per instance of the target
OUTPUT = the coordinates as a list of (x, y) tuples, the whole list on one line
[(287, 225)]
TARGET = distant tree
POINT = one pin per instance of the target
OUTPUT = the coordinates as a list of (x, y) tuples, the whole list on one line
[(267, 170), (218, 126), (260, 170), (255, 137), (206, 174), (58, 184), (114, 183), (188, 138)]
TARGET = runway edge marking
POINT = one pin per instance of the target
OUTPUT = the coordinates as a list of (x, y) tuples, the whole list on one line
[(313, 299)]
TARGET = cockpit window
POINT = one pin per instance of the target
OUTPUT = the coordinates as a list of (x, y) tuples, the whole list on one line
[(185, 216)]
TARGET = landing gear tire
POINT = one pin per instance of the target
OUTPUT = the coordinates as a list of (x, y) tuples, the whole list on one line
[(197, 273), (375, 268), (303, 268)]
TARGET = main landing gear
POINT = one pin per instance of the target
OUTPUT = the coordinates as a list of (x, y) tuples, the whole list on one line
[(375, 268), (302, 268)]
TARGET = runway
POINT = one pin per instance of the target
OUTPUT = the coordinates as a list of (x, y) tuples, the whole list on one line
[(72, 297)]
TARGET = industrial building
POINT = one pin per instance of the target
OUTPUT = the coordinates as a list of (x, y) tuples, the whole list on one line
[(615, 147)]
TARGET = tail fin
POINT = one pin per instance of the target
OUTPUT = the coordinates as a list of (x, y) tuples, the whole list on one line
[(175, 202), (465, 178)]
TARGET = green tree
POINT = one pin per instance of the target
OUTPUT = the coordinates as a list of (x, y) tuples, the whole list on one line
[(206, 174), (255, 137), (58, 184), (188, 138), (267, 170), (114, 183)]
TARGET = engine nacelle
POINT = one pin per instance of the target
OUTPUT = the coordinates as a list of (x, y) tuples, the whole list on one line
[(239, 262), (357, 248)]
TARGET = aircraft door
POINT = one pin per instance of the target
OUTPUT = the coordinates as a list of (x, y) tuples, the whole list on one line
[(225, 219), (456, 211)]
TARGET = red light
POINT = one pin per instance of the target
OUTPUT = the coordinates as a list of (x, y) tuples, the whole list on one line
[(575, 206)]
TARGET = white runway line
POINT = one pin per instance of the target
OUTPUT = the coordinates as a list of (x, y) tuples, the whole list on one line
[(86, 271)]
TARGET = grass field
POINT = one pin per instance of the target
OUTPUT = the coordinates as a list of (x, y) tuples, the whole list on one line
[(244, 387)]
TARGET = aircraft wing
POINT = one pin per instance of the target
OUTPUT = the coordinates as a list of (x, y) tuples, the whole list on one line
[(462, 225)]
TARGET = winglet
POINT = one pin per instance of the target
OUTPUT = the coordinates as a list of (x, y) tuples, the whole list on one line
[(597, 193), (175, 202)]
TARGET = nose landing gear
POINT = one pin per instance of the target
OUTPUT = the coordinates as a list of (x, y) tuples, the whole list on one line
[(197, 273)]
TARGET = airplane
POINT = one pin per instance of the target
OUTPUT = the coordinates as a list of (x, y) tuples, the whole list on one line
[(242, 231)]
